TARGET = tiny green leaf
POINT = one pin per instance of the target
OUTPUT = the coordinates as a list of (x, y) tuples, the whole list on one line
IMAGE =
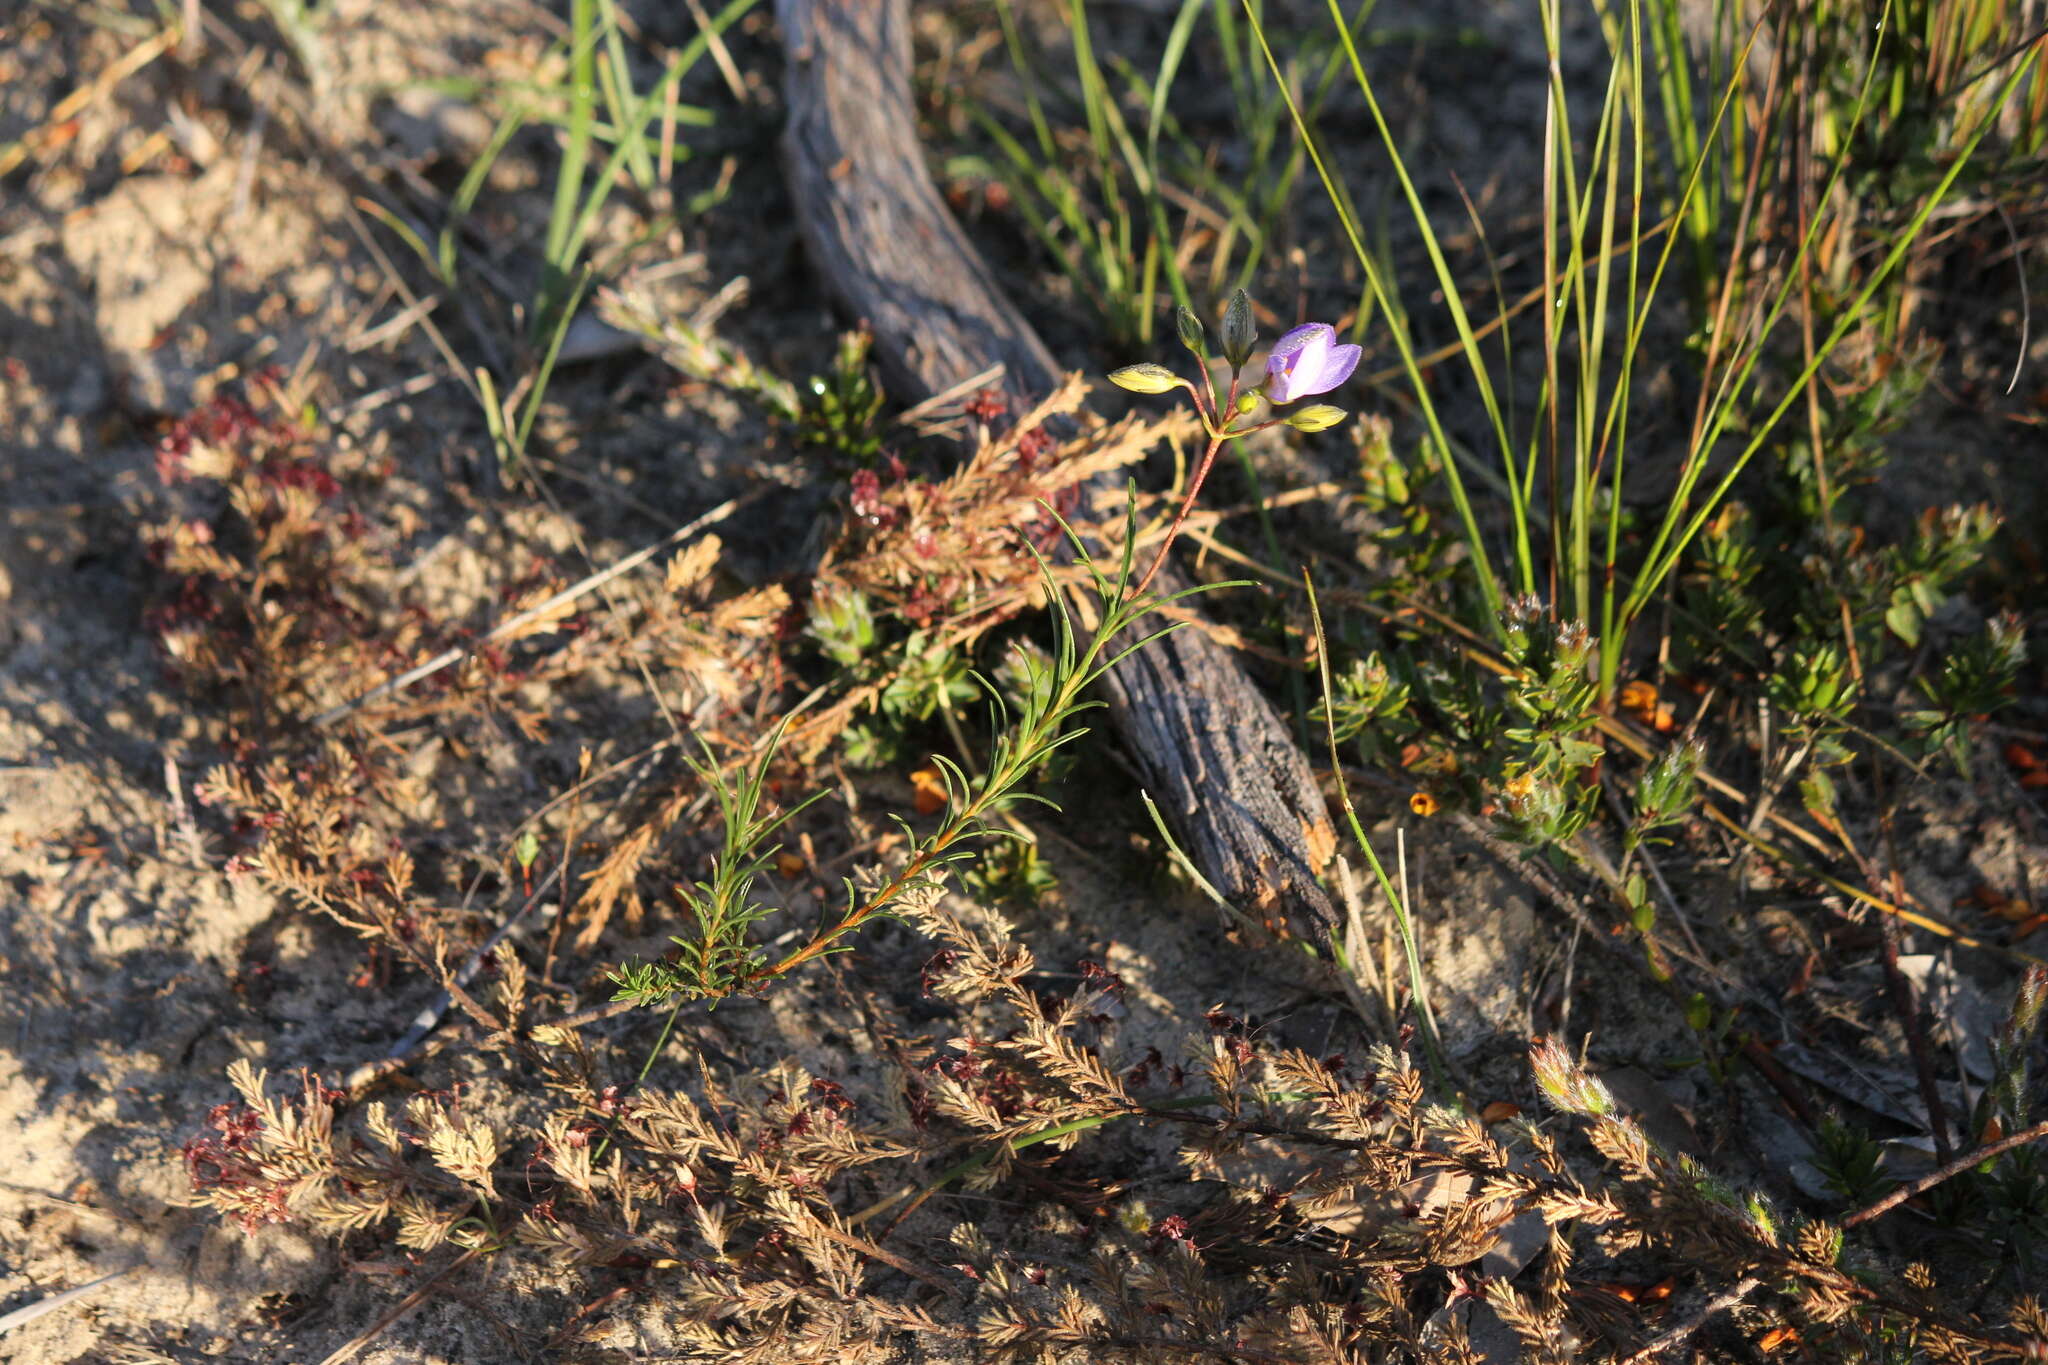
[(1904, 617)]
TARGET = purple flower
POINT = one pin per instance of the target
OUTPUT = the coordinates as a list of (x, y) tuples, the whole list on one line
[(1308, 361)]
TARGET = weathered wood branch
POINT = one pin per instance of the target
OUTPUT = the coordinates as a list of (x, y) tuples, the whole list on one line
[(1212, 750)]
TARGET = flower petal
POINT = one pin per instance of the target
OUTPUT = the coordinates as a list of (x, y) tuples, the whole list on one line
[(1296, 361), (1337, 366), (1298, 338)]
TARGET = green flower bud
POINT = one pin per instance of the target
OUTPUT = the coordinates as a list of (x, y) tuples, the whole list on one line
[(1191, 334), (1145, 379), (1239, 333), (1315, 417), (1565, 1083), (1699, 1012), (1247, 402)]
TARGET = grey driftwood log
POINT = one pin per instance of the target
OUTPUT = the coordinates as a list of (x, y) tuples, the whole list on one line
[(1212, 750)]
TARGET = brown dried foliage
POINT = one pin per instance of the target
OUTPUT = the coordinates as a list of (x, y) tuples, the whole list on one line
[(1323, 1210)]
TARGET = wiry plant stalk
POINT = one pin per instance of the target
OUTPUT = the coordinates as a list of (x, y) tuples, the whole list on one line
[(720, 961)]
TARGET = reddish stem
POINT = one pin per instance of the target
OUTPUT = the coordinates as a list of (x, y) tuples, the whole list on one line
[(1216, 422), (1187, 505), (1951, 1170)]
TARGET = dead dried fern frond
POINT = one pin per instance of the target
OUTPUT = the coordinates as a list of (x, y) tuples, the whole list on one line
[(958, 549)]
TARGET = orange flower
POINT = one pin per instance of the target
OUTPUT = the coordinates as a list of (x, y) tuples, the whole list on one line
[(929, 791), (1636, 1293), (1639, 699), (1423, 804)]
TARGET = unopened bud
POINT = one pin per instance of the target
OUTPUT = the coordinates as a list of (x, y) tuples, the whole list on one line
[(1239, 333), (1145, 379), (1565, 1083), (1315, 417), (1191, 335)]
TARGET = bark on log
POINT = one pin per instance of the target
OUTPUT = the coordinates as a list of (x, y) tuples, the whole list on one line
[(1212, 750)]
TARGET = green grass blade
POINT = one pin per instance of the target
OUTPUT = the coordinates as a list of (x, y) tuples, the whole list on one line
[(1489, 582)]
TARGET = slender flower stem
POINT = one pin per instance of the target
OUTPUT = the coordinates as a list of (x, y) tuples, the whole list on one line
[(1217, 421), (1187, 505)]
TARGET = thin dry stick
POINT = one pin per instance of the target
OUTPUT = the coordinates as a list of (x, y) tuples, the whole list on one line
[(431, 1014), (1947, 1172), (610, 1009), (33, 143), (939, 402), (1758, 1056), (405, 292), (720, 54), (531, 614), (885, 1256), (1720, 1303), (31, 1192), (596, 583), (23, 1316), (405, 1305)]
